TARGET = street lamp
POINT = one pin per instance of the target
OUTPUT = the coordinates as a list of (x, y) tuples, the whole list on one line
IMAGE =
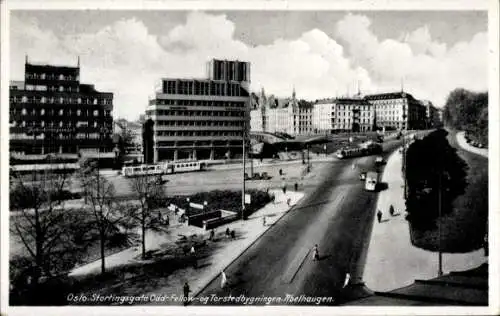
[(205, 203)]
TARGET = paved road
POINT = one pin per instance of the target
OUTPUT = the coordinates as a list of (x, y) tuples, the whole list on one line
[(337, 215)]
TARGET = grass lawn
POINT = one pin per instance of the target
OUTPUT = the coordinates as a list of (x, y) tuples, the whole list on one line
[(462, 230)]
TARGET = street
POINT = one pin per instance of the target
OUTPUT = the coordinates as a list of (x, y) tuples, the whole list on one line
[(337, 216)]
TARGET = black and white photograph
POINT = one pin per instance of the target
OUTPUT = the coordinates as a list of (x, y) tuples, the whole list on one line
[(287, 155)]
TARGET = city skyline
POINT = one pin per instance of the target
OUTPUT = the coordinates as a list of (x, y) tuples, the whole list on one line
[(326, 54)]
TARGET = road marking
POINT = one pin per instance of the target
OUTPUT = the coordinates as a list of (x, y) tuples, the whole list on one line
[(294, 267)]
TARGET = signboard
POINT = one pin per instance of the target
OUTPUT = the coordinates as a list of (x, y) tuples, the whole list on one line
[(247, 198), (196, 205)]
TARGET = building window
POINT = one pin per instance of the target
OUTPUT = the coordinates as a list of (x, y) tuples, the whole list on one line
[(23, 111), (61, 112), (78, 112), (61, 88), (42, 123), (79, 100), (61, 124), (96, 112)]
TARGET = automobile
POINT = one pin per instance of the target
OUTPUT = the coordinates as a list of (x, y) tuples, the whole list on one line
[(247, 177), (265, 176), (256, 176), (362, 176), (379, 160)]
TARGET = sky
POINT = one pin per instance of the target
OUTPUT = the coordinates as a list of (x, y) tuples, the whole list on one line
[(320, 53)]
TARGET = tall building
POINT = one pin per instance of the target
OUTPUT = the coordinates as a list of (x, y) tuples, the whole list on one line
[(323, 116), (397, 110), (354, 115), (282, 115), (201, 118), (52, 112)]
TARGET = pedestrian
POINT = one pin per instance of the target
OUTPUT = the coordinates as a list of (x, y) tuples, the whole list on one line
[(264, 220), (186, 293), (228, 232), (284, 189), (223, 279), (288, 201), (212, 234), (391, 210), (353, 166), (379, 216), (167, 221), (233, 234), (160, 218), (347, 279), (191, 251), (296, 186), (315, 253), (281, 172)]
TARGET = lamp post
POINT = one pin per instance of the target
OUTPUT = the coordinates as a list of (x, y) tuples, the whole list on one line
[(205, 204), (243, 189)]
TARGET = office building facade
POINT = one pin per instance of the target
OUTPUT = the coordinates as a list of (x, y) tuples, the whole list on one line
[(397, 110), (52, 112), (202, 118)]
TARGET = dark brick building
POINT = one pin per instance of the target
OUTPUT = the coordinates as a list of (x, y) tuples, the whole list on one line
[(52, 112)]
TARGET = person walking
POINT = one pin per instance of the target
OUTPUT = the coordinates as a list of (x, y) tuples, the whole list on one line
[(212, 234), (379, 216), (167, 221), (391, 210), (288, 201), (346, 280), (264, 220), (296, 185), (315, 253), (233, 234), (223, 279), (284, 189), (186, 293), (228, 232)]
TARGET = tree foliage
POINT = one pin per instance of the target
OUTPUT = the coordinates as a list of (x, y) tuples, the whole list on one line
[(107, 213), (434, 173), (466, 110), (148, 191), (39, 221)]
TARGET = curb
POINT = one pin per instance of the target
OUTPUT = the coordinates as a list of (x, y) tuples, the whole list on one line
[(246, 248)]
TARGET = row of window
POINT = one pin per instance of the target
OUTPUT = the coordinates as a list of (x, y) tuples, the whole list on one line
[(60, 100), (51, 76), (61, 124), (30, 87), (198, 133), (60, 112), (67, 136), (200, 123), (197, 113), (226, 104), (203, 88)]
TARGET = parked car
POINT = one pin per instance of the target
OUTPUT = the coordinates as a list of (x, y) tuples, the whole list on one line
[(379, 160), (265, 176)]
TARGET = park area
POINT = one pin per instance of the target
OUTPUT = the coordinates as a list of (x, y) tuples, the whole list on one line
[(464, 223)]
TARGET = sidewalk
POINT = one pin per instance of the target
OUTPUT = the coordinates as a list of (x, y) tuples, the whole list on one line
[(392, 261), (463, 143), (248, 231)]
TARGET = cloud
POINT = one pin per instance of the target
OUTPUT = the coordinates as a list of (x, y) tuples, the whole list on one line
[(124, 57), (429, 69)]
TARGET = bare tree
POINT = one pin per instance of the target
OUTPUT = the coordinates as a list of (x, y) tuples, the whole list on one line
[(148, 191), (38, 215), (100, 198)]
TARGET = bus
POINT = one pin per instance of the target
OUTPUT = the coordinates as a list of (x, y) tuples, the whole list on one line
[(371, 181), (164, 168)]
